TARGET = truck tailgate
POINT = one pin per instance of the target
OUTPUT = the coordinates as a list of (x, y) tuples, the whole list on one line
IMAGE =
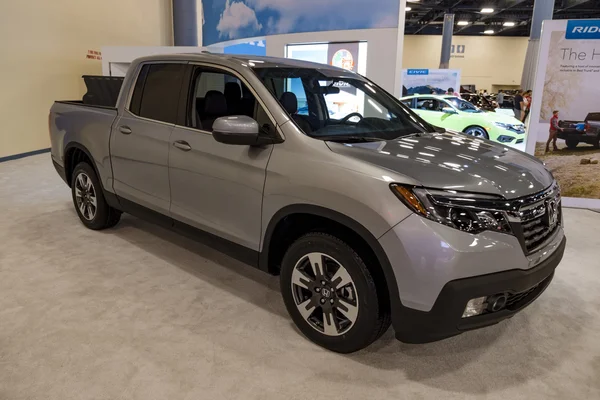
[(89, 127)]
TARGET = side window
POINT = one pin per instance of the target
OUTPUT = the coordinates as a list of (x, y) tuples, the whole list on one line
[(215, 94), (156, 92), (407, 103), (429, 104)]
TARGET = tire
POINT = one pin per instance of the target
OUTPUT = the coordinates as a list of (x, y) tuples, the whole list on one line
[(477, 131), (349, 294), (88, 199), (571, 143), (597, 142)]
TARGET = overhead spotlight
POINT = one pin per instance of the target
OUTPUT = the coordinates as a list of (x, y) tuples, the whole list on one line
[(489, 32), (487, 10), (408, 8), (462, 23), (509, 23)]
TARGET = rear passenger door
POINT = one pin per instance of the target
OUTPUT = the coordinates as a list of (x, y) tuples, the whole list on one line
[(214, 186), (140, 141)]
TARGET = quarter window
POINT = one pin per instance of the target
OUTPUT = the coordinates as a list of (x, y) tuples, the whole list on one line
[(156, 92)]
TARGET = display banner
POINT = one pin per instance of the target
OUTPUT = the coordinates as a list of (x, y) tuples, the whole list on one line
[(226, 20), (428, 81), (564, 129), (344, 55)]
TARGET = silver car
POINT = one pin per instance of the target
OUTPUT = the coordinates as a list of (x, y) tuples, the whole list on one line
[(370, 215)]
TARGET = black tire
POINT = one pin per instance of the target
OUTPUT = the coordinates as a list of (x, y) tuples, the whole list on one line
[(571, 143), (597, 142), (104, 216), (477, 131), (372, 318)]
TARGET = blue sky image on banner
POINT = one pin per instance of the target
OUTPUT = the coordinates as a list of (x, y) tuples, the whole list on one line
[(237, 19)]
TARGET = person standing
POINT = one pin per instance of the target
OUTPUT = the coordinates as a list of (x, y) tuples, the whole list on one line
[(527, 103), (554, 128), (518, 104), (500, 98), (451, 92)]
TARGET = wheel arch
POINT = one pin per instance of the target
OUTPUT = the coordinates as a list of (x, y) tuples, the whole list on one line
[(74, 154), (275, 244)]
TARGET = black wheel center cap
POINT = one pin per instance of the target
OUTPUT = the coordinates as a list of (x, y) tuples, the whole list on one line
[(326, 293)]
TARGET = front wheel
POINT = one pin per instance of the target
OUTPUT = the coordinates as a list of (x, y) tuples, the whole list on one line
[(89, 201), (331, 295), (477, 131)]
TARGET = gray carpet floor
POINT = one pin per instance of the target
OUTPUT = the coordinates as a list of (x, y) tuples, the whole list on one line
[(138, 312)]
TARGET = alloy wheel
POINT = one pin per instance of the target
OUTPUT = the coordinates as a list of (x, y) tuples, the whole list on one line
[(325, 294), (85, 196), (477, 132)]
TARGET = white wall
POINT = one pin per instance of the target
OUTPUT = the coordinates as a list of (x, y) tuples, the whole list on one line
[(44, 46), (487, 61), (381, 49)]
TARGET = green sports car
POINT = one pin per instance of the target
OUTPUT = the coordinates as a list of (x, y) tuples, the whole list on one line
[(451, 112)]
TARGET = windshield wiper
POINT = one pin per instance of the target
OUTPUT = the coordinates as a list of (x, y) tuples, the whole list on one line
[(348, 138)]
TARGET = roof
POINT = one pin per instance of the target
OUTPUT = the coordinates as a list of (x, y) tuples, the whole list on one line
[(253, 61)]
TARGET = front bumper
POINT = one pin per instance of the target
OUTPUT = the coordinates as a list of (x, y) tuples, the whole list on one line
[(445, 317)]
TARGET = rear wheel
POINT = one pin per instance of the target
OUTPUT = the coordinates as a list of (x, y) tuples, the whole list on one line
[(477, 131), (571, 143), (89, 201), (331, 295)]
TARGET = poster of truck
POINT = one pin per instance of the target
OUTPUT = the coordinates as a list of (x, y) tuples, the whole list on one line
[(564, 129)]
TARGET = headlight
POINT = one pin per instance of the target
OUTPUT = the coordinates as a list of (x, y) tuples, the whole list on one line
[(519, 128), (473, 213)]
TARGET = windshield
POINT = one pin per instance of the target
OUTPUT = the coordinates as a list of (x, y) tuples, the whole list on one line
[(463, 105), (333, 105)]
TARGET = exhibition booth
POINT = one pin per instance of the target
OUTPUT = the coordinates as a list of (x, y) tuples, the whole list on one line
[(293, 187)]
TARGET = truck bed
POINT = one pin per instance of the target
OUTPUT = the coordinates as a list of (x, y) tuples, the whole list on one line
[(73, 123)]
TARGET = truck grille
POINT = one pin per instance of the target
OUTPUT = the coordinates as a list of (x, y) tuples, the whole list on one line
[(540, 219), (514, 299), (536, 232)]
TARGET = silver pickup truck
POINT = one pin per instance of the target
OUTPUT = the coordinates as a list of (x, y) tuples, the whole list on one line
[(370, 215)]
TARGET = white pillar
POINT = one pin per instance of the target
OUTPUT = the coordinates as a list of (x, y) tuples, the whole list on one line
[(400, 48), (542, 10)]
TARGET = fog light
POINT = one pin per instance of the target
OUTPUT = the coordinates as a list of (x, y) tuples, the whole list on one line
[(475, 307), (505, 139)]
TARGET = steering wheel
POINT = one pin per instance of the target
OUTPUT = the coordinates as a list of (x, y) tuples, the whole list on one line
[(354, 114)]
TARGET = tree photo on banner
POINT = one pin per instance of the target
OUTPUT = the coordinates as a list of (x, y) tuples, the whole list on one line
[(237, 19), (565, 122)]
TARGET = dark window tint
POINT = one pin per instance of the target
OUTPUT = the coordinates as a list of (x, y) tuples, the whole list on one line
[(138, 91), (157, 92)]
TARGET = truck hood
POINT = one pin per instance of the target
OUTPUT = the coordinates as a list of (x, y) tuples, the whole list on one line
[(455, 161)]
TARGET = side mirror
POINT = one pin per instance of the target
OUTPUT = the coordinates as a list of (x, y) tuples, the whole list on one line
[(448, 110), (236, 129)]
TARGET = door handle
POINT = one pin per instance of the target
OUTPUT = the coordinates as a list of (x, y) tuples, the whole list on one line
[(182, 145), (125, 130)]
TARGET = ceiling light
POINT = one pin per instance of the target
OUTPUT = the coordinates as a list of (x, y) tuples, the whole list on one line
[(509, 23), (489, 32), (408, 8), (462, 23), (487, 10)]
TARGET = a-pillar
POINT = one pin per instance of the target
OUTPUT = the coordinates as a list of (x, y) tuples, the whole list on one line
[(447, 41), (542, 10), (185, 22)]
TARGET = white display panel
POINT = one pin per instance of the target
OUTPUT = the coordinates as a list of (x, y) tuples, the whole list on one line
[(351, 56)]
